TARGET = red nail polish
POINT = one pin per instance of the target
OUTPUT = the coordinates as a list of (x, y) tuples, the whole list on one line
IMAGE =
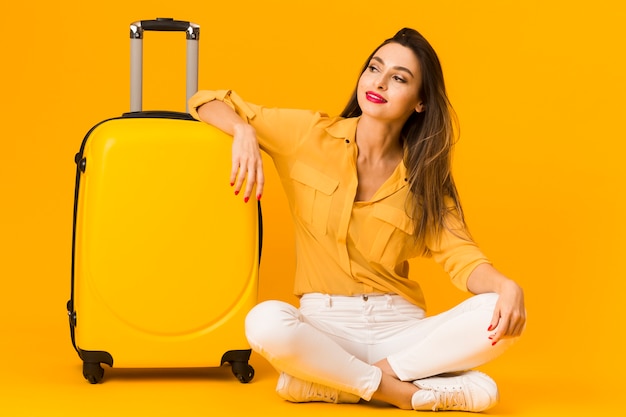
[(490, 327), (236, 192), (232, 183), (494, 343), (258, 197), (245, 200)]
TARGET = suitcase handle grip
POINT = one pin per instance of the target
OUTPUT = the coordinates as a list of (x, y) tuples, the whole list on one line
[(136, 55), (164, 24)]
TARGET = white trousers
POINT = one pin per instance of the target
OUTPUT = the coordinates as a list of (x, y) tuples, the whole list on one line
[(335, 340)]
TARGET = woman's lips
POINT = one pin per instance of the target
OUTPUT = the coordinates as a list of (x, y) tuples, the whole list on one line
[(375, 98)]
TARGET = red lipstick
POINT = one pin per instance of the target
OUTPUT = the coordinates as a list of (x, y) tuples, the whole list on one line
[(375, 98)]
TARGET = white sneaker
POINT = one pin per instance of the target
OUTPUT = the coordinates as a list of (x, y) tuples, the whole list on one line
[(462, 391), (300, 391)]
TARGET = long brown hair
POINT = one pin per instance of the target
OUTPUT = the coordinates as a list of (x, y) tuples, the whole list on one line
[(428, 138)]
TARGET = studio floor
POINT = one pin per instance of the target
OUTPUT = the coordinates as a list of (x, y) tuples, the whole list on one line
[(43, 378), (538, 87)]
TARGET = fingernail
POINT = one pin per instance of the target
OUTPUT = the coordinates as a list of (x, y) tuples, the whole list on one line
[(490, 327), (236, 192), (245, 200), (258, 197), (494, 343), (232, 183)]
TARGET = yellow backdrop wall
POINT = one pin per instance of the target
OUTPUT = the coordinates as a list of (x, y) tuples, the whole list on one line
[(538, 86)]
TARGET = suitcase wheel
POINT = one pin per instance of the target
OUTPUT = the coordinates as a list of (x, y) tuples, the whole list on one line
[(93, 372), (243, 371), (238, 360)]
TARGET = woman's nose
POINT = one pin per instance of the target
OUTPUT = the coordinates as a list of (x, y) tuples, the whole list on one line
[(381, 83)]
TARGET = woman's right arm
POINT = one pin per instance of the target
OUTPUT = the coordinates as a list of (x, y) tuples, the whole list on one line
[(247, 163)]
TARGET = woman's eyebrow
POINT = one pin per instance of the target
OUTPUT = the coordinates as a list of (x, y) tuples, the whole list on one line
[(399, 68)]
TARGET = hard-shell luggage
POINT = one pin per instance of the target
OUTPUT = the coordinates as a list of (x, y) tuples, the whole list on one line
[(165, 259)]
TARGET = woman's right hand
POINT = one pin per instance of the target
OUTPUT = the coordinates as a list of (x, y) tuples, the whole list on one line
[(247, 164)]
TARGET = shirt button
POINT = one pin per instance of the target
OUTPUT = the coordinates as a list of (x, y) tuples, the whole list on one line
[(347, 141)]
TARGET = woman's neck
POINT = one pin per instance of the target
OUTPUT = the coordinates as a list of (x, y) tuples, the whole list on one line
[(378, 141)]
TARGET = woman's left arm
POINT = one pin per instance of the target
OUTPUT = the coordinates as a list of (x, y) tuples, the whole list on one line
[(509, 317)]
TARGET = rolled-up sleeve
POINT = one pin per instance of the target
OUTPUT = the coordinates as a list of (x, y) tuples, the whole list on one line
[(457, 252), (278, 130), (226, 96)]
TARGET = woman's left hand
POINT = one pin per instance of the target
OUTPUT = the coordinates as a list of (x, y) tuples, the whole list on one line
[(509, 316)]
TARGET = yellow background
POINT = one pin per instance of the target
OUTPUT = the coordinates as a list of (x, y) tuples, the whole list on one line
[(539, 89)]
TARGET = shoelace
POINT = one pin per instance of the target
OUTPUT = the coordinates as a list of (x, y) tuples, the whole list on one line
[(321, 392), (449, 398)]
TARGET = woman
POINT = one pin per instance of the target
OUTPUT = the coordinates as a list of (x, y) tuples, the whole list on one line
[(368, 191)]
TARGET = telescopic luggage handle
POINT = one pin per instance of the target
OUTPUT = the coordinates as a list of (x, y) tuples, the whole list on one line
[(136, 55)]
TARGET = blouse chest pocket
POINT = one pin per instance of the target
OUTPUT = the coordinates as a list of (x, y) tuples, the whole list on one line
[(388, 236), (313, 192)]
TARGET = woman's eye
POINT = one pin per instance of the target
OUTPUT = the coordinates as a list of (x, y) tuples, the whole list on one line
[(372, 68), (399, 79)]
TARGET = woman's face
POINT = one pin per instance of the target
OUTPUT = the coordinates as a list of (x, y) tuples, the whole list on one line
[(389, 87)]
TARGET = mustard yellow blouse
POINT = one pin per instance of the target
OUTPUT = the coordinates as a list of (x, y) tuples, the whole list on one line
[(343, 247)]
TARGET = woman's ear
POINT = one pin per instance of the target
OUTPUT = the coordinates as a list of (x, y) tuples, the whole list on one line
[(420, 107)]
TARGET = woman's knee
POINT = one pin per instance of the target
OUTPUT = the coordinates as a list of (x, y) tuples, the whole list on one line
[(483, 304), (268, 321), (487, 300)]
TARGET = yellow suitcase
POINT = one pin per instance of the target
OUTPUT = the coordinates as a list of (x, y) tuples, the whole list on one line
[(165, 257)]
